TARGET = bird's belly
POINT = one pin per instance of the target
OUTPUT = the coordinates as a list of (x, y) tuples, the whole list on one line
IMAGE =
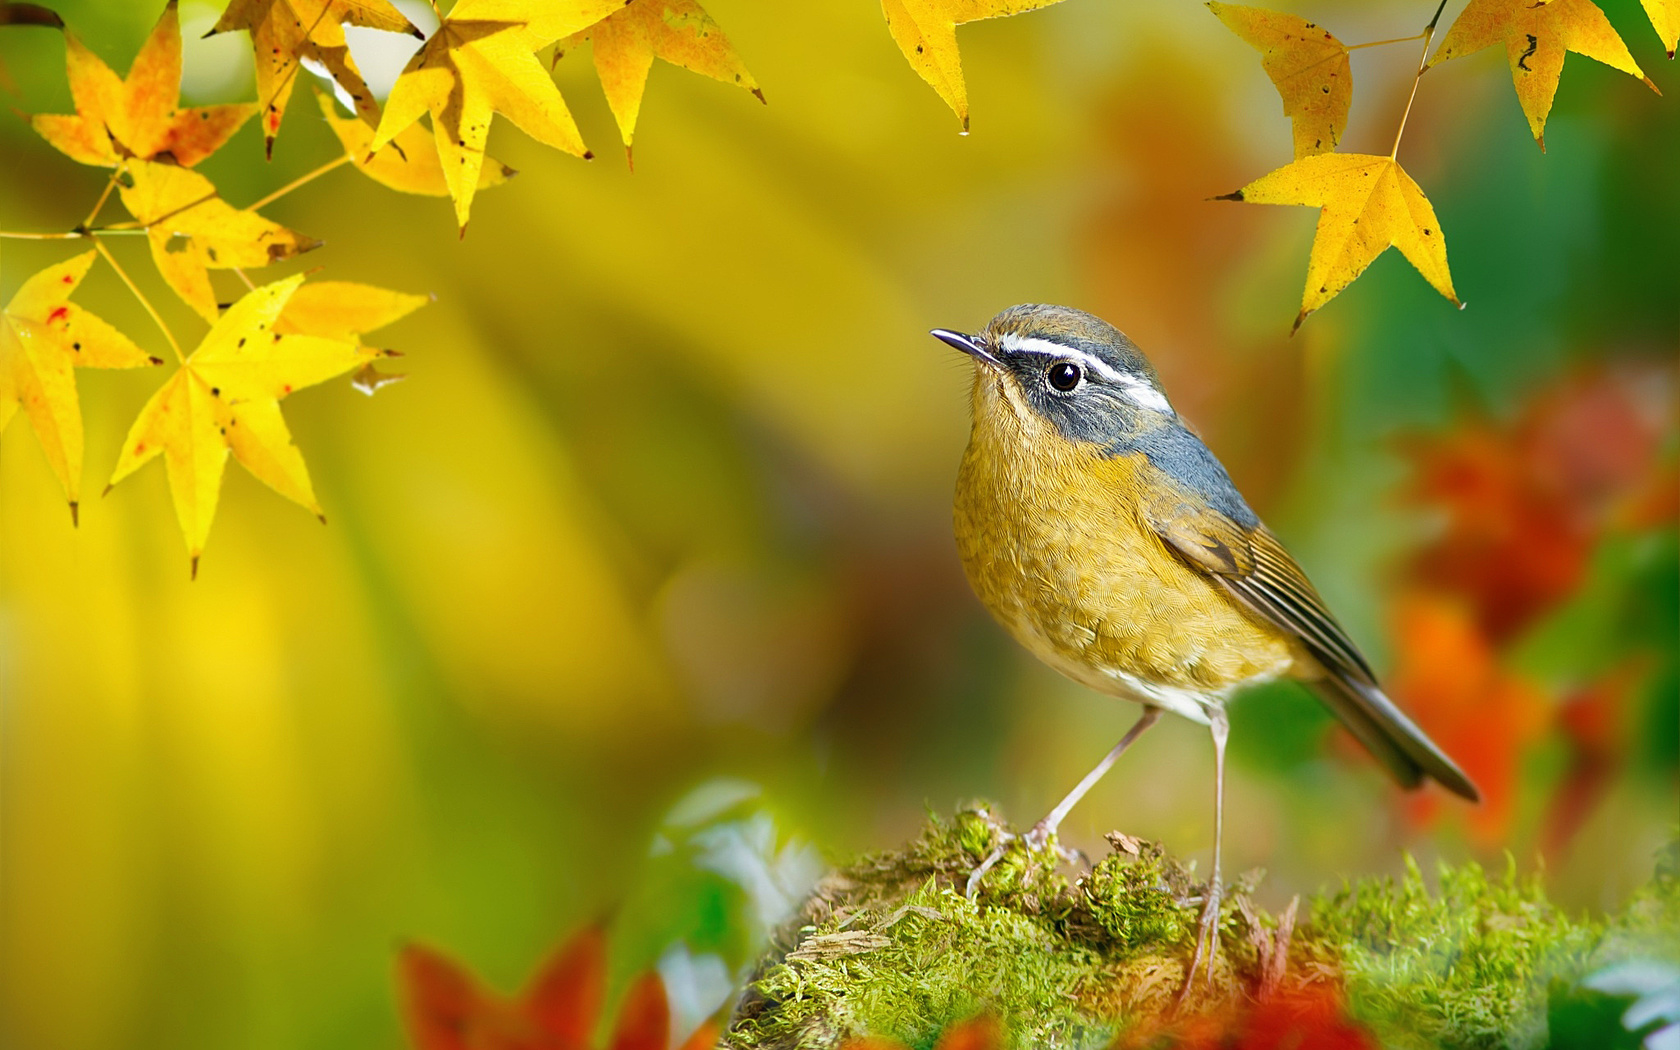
[(1093, 592)]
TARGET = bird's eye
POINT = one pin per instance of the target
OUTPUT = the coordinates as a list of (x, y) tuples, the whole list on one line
[(1065, 375)]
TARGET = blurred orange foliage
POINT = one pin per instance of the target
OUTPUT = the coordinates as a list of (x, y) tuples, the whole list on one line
[(446, 1009), (1525, 502), (1483, 715), (1309, 1017), (1524, 505)]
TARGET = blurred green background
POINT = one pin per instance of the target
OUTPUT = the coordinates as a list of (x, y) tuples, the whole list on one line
[(666, 498)]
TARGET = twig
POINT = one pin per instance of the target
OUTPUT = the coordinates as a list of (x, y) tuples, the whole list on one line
[(301, 180), (110, 184), (248, 285), (138, 294), (1423, 63), (1380, 43)]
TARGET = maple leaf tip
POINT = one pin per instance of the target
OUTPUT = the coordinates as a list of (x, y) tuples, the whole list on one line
[(629, 158), (588, 154), (108, 489), (268, 147), (154, 359), (1234, 195), (414, 31), (1653, 86), (322, 518), (1296, 327), (75, 515), (758, 93), (193, 572)]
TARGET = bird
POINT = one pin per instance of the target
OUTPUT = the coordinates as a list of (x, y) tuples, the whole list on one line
[(1110, 542)]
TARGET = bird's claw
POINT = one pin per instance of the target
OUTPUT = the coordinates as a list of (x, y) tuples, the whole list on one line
[(1035, 840), (1207, 942)]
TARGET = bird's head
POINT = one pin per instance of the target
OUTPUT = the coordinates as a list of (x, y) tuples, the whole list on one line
[(1056, 365)]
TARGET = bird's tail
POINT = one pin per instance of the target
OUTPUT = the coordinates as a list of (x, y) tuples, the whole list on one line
[(1390, 736)]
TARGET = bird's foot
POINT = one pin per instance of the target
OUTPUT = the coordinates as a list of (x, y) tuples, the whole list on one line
[(1037, 839), (1207, 942)]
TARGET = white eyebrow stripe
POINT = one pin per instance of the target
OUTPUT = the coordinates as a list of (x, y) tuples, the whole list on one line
[(1136, 390)]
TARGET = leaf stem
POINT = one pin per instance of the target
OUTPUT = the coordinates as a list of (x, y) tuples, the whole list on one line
[(1380, 43), (138, 294), (110, 184), (301, 180), (1423, 63)]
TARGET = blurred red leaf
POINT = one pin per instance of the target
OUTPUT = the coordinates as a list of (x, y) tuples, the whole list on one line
[(1450, 679), (1594, 724), (446, 1009), (1524, 502), (1310, 1017)]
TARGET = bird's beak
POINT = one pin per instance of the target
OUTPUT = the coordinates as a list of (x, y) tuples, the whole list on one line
[(968, 344)]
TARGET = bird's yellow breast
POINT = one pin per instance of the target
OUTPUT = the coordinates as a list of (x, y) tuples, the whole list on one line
[(1054, 543)]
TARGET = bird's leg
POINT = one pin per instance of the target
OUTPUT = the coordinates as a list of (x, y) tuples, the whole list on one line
[(1207, 933), (1038, 836)]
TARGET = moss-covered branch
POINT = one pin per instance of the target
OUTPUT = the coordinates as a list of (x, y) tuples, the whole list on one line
[(890, 945)]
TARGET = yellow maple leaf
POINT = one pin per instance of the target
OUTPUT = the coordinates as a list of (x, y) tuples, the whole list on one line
[(283, 32), (466, 73), (192, 231), (1665, 19), (345, 310), (926, 31), (1536, 38), (43, 337), (679, 31), (137, 116), (1369, 204), (1308, 66), (225, 398), (542, 21), (409, 164)]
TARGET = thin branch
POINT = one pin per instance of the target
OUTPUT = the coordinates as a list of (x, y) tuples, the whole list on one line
[(110, 184), (20, 235), (1391, 40), (301, 180), (138, 294), (1423, 63), (248, 285)]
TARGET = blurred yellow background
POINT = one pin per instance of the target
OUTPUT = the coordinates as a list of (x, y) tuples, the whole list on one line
[(666, 496)]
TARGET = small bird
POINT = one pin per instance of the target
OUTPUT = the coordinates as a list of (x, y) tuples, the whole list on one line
[(1110, 542)]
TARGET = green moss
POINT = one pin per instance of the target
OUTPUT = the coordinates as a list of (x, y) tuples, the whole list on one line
[(1465, 967), (890, 945)]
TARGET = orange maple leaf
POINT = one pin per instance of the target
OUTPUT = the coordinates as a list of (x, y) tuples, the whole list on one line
[(137, 116), (445, 1008), (1537, 36), (1484, 715)]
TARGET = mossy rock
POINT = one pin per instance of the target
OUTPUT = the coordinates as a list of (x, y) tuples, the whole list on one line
[(890, 945)]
